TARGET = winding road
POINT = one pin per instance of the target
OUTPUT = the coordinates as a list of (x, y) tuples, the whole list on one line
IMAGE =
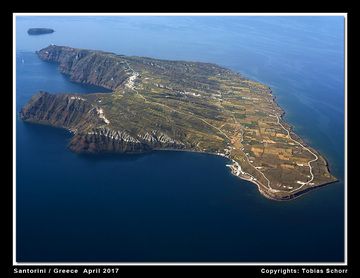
[(309, 163), (131, 80)]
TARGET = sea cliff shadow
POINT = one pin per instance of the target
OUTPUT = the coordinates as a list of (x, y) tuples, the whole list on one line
[(109, 157)]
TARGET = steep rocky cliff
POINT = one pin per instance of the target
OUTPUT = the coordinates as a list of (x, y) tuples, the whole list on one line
[(72, 112), (89, 67), (111, 71), (92, 130), (160, 104)]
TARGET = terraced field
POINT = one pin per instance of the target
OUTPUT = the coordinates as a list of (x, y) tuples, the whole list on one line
[(179, 105)]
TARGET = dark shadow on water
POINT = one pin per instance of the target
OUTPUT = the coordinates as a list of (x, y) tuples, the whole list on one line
[(62, 137), (104, 156), (110, 157), (83, 88), (39, 129), (92, 89)]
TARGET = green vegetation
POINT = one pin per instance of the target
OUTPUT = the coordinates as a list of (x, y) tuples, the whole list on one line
[(205, 107)]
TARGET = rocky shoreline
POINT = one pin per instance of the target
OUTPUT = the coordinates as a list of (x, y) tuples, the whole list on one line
[(89, 127), (125, 121)]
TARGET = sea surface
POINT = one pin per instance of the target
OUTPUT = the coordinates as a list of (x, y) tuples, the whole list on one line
[(177, 206)]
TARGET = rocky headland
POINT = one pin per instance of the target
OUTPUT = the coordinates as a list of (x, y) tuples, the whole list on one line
[(179, 105)]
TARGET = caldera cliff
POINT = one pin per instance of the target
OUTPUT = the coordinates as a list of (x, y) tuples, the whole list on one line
[(89, 125), (179, 105)]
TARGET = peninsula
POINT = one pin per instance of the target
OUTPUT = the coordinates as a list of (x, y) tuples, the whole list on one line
[(40, 31), (179, 105)]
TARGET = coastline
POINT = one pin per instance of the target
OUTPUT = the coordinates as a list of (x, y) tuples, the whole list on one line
[(277, 195), (297, 137), (259, 186), (287, 197), (266, 191)]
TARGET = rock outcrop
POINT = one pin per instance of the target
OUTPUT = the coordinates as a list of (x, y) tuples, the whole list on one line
[(160, 104), (66, 111), (107, 140), (92, 131), (98, 68)]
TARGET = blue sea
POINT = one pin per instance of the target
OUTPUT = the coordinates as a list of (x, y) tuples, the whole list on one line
[(177, 206)]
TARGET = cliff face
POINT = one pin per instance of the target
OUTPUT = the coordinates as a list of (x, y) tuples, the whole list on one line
[(107, 140), (65, 111), (89, 67), (111, 71), (92, 130), (159, 104)]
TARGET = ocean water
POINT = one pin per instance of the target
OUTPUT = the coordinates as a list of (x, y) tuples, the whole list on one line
[(176, 206)]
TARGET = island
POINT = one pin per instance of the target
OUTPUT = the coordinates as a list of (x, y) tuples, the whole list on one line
[(40, 31), (179, 105)]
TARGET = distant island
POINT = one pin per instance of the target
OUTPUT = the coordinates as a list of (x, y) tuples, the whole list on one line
[(40, 31), (179, 105)]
